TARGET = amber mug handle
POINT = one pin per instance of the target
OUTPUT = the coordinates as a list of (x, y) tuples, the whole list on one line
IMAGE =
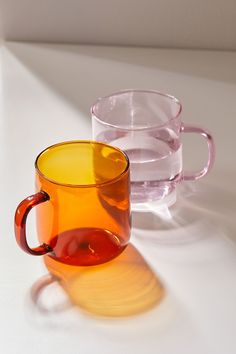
[(21, 214)]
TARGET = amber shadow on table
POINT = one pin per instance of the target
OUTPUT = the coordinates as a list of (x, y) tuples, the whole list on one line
[(125, 286)]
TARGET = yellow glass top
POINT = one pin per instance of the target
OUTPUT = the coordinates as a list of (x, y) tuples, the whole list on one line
[(81, 163)]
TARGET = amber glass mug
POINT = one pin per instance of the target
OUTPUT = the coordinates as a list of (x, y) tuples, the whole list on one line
[(82, 199)]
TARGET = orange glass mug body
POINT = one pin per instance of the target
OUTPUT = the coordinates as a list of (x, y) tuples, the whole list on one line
[(83, 207)]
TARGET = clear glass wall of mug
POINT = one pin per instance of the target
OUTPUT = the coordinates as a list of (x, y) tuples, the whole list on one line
[(82, 204), (147, 126)]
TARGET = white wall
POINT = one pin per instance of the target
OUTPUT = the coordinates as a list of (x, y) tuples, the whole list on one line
[(162, 23), (1, 22)]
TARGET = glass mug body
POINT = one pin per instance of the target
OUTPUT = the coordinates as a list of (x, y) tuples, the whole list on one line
[(147, 126), (83, 209)]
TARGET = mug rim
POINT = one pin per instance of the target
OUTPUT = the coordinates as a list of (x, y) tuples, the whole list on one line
[(117, 93), (91, 185)]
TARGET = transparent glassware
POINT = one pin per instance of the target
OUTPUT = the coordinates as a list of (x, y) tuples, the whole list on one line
[(147, 126), (83, 206)]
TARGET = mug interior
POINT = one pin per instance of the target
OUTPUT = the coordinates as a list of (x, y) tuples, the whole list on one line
[(81, 163)]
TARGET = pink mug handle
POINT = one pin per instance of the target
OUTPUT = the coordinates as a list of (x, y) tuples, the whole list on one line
[(185, 128)]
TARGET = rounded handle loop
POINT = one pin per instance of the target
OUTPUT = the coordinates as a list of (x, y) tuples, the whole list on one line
[(185, 128), (21, 214)]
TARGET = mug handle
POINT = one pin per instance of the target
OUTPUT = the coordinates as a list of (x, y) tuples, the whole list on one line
[(21, 214), (185, 128)]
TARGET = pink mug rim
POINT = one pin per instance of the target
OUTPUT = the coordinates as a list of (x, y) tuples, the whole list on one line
[(117, 93)]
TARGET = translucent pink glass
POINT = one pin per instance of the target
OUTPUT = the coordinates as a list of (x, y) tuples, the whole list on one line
[(147, 126)]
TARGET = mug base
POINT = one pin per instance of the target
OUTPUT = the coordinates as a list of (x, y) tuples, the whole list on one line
[(86, 246), (154, 205)]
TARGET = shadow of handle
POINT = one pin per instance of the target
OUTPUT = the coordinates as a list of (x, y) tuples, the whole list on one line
[(185, 128), (36, 296), (38, 288)]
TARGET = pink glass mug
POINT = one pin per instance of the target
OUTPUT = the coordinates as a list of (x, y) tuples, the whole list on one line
[(147, 126)]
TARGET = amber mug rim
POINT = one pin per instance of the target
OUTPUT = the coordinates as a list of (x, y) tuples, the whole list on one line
[(90, 185)]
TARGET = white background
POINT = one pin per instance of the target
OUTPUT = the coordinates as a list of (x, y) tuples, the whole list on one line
[(46, 91)]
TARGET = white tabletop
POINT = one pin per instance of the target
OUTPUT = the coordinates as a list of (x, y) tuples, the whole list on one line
[(45, 96)]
